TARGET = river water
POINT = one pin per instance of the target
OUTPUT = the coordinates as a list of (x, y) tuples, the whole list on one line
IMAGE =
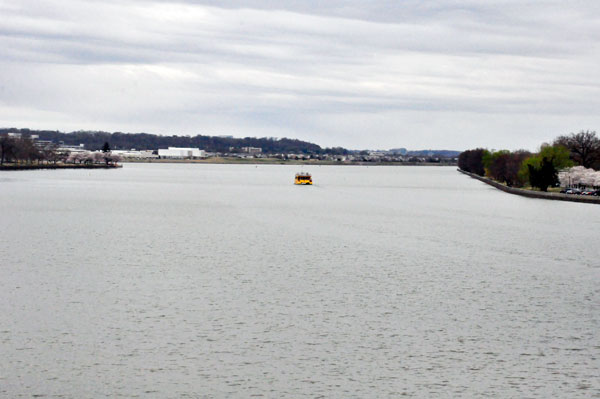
[(227, 281)]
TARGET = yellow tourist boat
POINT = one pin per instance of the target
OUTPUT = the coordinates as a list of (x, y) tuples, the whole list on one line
[(303, 178)]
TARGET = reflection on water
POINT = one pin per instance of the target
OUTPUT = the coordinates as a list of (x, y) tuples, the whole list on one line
[(229, 281)]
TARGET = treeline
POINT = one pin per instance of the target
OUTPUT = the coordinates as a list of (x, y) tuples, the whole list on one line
[(94, 140), (539, 170), (23, 151)]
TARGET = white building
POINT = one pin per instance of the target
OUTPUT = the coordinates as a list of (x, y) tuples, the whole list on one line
[(134, 154), (71, 148), (252, 150), (180, 153)]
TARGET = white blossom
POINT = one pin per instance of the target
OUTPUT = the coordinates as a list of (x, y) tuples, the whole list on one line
[(579, 175)]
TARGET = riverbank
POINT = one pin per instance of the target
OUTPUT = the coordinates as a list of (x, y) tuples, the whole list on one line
[(277, 161), (15, 167), (534, 194)]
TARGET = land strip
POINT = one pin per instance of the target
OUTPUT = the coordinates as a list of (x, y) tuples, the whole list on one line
[(534, 194), (57, 166)]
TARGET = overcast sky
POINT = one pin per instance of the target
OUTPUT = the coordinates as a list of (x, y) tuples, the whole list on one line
[(360, 74)]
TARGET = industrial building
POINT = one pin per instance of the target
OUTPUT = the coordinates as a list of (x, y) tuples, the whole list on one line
[(252, 150), (135, 154), (181, 153)]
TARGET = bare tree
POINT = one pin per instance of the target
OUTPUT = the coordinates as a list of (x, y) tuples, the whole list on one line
[(7, 149), (25, 150), (584, 147), (50, 153)]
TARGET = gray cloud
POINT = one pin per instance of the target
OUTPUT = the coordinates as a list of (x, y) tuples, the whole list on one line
[(451, 74)]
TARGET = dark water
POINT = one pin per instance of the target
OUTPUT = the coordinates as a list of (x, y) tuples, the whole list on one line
[(218, 281)]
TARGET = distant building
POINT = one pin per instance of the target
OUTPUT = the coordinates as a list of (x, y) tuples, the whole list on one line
[(134, 154), (252, 150), (181, 153), (43, 144), (33, 137), (401, 151), (71, 148)]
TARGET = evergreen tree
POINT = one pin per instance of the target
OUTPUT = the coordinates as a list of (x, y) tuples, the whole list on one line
[(543, 176)]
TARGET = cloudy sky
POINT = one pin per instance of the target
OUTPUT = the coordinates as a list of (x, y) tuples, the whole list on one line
[(376, 74)]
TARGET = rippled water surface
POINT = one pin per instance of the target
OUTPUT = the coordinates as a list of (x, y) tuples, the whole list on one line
[(218, 281)]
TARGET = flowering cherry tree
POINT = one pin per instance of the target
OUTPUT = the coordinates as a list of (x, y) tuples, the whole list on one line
[(98, 157), (77, 157), (579, 175)]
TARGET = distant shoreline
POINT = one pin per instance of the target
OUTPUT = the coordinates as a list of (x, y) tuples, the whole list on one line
[(218, 161), (16, 167), (276, 161)]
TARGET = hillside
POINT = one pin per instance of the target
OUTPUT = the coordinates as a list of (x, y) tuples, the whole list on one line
[(94, 140)]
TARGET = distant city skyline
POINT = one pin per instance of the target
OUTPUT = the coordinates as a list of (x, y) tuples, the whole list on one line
[(377, 75)]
